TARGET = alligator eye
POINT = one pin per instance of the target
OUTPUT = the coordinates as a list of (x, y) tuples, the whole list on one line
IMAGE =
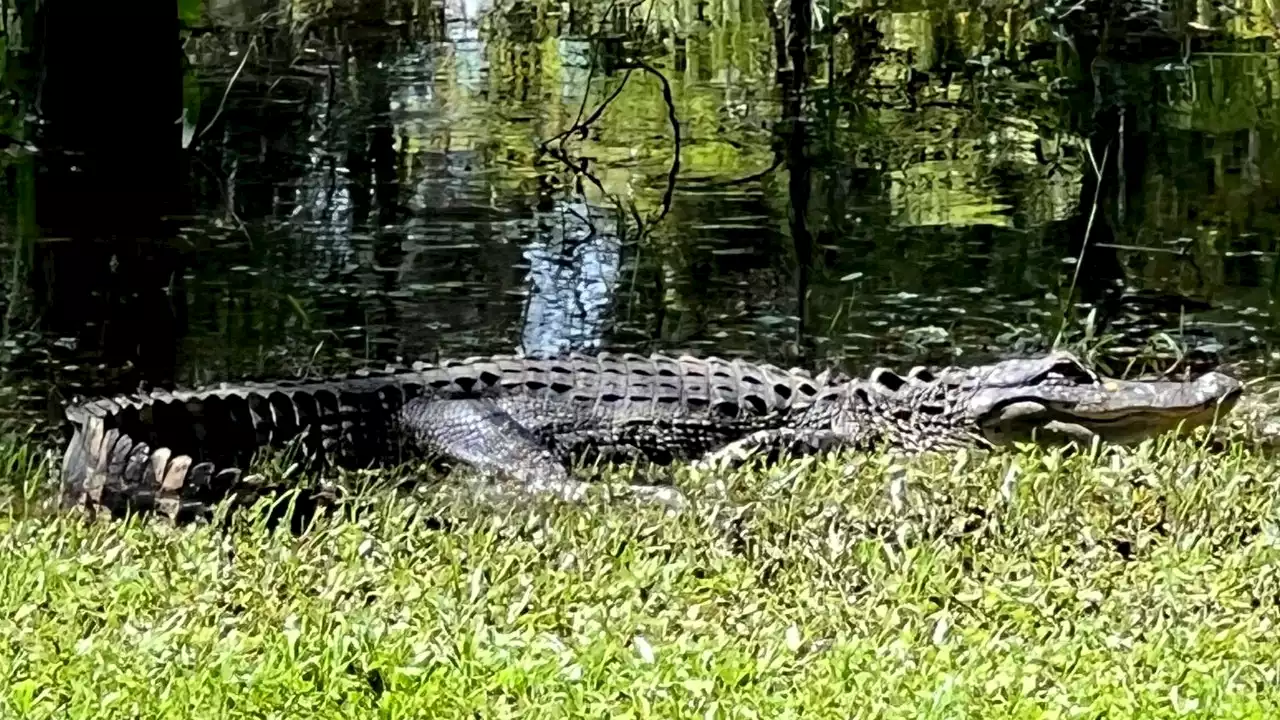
[(1069, 370)]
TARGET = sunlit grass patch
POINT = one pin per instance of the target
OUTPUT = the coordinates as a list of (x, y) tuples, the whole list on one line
[(1119, 583)]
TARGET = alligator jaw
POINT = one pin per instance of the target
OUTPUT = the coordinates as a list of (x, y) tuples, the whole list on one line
[(1113, 411)]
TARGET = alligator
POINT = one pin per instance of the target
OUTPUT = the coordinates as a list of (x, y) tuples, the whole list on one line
[(526, 420)]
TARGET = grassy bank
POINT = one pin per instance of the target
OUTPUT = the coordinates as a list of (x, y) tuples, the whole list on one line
[(1131, 583)]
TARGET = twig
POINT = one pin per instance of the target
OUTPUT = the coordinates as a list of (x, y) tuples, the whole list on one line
[(577, 168), (1084, 242), (674, 172), (579, 126), (253, 44), (1093, 213), (586, 92), (592, 232)]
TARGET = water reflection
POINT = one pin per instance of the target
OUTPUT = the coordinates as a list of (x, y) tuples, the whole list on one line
[(574, 261), (375, 190)]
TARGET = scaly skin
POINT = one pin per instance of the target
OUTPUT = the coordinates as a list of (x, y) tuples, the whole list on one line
[(185, 449), (524, 419), (1053, 399)]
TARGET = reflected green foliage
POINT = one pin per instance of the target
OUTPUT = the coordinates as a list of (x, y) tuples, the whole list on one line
[(190, 12), (424, 178)]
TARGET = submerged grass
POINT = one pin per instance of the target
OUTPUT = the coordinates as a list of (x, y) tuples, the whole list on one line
[(1117, 583)]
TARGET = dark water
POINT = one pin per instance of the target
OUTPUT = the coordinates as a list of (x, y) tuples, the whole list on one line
[(402, 187)]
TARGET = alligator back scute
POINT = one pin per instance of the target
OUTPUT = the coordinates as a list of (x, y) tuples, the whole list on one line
[(761, 389), (737, 389), (727, 386), (707, 387)]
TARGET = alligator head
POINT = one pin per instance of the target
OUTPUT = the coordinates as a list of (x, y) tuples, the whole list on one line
[(1057, 399)]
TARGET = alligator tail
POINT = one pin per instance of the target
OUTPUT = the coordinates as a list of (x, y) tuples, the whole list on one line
[(184, 450)]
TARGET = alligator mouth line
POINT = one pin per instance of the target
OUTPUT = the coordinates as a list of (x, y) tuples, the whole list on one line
[(1112, 417), (1155, 409)]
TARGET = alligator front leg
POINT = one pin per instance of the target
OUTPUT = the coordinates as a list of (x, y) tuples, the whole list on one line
[(485, 437)]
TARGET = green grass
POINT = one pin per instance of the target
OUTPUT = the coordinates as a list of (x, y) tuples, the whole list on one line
[(1122, 583)]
